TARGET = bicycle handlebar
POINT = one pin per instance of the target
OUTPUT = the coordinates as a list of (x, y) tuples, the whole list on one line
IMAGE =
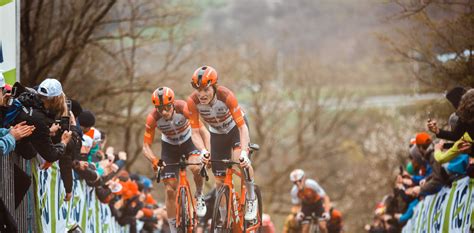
[(182, 163), (225, 161), (252, 148)]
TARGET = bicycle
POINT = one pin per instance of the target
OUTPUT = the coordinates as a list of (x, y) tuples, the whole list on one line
[(186, 218), (314, 224), (234, 203)]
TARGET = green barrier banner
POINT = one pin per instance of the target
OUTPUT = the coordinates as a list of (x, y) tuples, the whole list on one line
[(449, 210), (84, 209)]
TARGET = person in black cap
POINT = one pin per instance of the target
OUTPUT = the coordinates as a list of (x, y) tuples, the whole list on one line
[(86, 120), (463, 101)]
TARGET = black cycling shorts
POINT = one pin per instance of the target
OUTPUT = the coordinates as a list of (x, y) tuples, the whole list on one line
[(172, 154), (310, 209), (222, 146)]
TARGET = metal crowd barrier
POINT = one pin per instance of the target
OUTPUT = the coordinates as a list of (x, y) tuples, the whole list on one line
[(25, 213)]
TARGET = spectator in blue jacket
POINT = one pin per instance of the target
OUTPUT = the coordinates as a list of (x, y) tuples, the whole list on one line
[(8, 137)]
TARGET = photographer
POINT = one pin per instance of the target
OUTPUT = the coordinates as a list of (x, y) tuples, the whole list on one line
[(73, 149), (8, 137), (465, 112), (40, 110)]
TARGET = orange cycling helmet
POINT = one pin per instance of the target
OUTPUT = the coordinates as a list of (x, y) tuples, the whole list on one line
[(204, 76), (162, 96)]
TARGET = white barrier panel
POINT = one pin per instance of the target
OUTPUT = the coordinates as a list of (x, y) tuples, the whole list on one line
[(8, 39), (449, 210), (84, 209)]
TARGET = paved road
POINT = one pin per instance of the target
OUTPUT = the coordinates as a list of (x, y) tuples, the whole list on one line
[(389, 101)]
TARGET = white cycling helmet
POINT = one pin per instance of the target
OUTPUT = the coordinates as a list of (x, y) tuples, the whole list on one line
[(296, 174)]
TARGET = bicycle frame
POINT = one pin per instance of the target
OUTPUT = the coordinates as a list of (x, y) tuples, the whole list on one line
[(314, 224), (184, 184), (235, 206)]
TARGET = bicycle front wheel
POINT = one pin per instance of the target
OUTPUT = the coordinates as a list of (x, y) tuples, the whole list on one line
[(220, 215), (185, 217)]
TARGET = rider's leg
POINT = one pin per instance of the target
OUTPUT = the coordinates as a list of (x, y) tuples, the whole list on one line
[(304, 228), (195, 169), (198, 180), (170, 175), (221, 148), (171, 185), (323, 227), (249, 185)]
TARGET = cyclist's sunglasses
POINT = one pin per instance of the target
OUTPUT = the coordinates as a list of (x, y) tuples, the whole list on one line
[(199, 87), (194, 85), (166, 108), (297, 181)]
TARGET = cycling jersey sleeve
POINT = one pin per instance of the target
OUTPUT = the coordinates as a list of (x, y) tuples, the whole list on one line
[(193, 113), (312, 184), (150, 126), (235, 109), (182, 107), (294, 196)]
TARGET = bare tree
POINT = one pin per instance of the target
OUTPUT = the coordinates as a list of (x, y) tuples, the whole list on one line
[(149, 35), (438, 41), (54, 34)]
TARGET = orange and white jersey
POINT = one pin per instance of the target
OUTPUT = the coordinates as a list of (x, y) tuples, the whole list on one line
[(311, 193), (222, 114), (175, 131)]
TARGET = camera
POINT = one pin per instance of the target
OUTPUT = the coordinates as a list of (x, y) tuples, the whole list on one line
[(64, 123), (11, 97)]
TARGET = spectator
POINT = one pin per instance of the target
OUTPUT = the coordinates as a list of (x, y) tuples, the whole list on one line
[(457, 155), (465, 112), (291, 224), (8, 137), (267, 224), (86, 120), (96, 135), (42, 109), (438, 178), (335, 222), (403, 218)]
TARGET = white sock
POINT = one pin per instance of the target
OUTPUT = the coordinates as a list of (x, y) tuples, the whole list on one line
[(172, 222), (250, 190), (222, 210)]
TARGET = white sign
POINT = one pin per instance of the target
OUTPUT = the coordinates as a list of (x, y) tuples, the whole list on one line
[(8, 39)]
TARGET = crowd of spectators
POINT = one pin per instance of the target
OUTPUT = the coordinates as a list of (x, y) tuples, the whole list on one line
[(434, 161), (42, 123)]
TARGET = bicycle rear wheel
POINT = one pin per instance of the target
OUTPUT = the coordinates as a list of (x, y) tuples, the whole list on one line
[(248, 224), (220, 223), (183, 212)]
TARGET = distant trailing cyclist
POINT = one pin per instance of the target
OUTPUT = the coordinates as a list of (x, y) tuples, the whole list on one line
[(314, 201)]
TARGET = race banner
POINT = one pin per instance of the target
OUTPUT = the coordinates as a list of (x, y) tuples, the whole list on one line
[(8, 39), (449, 210), (55, 215)]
